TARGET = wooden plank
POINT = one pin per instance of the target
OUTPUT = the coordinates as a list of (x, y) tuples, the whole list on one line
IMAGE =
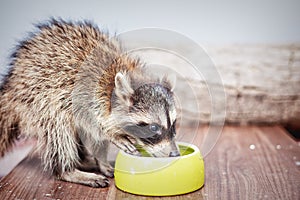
[(247, 163), (27, 181)]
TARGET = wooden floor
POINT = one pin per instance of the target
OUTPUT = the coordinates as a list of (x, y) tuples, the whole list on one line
[(247, 163)]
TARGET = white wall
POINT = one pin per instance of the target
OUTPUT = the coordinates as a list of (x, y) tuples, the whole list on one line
[(215, 22)]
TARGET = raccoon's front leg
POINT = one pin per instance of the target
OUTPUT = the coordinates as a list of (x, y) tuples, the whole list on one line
[(96, 154), (93, 159), (100, 153)]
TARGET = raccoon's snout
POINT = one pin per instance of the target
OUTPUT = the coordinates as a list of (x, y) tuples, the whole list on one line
[(174, 153)]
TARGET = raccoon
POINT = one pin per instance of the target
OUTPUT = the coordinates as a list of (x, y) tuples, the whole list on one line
[(74, 89)]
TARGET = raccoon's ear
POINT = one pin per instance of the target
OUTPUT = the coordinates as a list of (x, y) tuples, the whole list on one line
[(123, 89), (169, 81)]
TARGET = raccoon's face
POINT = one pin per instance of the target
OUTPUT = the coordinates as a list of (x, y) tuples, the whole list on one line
[(151, 116)]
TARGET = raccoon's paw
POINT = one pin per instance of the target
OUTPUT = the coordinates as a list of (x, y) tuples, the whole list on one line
[(106, 170), (126, 144), (85, 178)]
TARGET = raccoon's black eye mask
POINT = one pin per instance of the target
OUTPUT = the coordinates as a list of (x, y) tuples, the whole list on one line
[(150, 133)]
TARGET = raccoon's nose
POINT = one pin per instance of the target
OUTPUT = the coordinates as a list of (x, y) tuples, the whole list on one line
[(174, 153)]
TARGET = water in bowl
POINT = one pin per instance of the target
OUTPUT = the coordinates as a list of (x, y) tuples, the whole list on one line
[(184, 150)]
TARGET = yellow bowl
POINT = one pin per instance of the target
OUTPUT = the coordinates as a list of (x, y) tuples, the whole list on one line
[(153, 176)]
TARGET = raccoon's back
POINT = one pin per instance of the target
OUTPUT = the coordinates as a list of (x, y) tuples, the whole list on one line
[(51, 57), (49, 60)]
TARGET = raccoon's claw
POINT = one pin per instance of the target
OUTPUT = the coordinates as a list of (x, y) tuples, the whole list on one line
[(99, 183), (129, 148), (107, 170), (135, 153), (126, 145)]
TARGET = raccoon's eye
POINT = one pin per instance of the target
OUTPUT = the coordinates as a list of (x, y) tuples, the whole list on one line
[(155, 128)]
